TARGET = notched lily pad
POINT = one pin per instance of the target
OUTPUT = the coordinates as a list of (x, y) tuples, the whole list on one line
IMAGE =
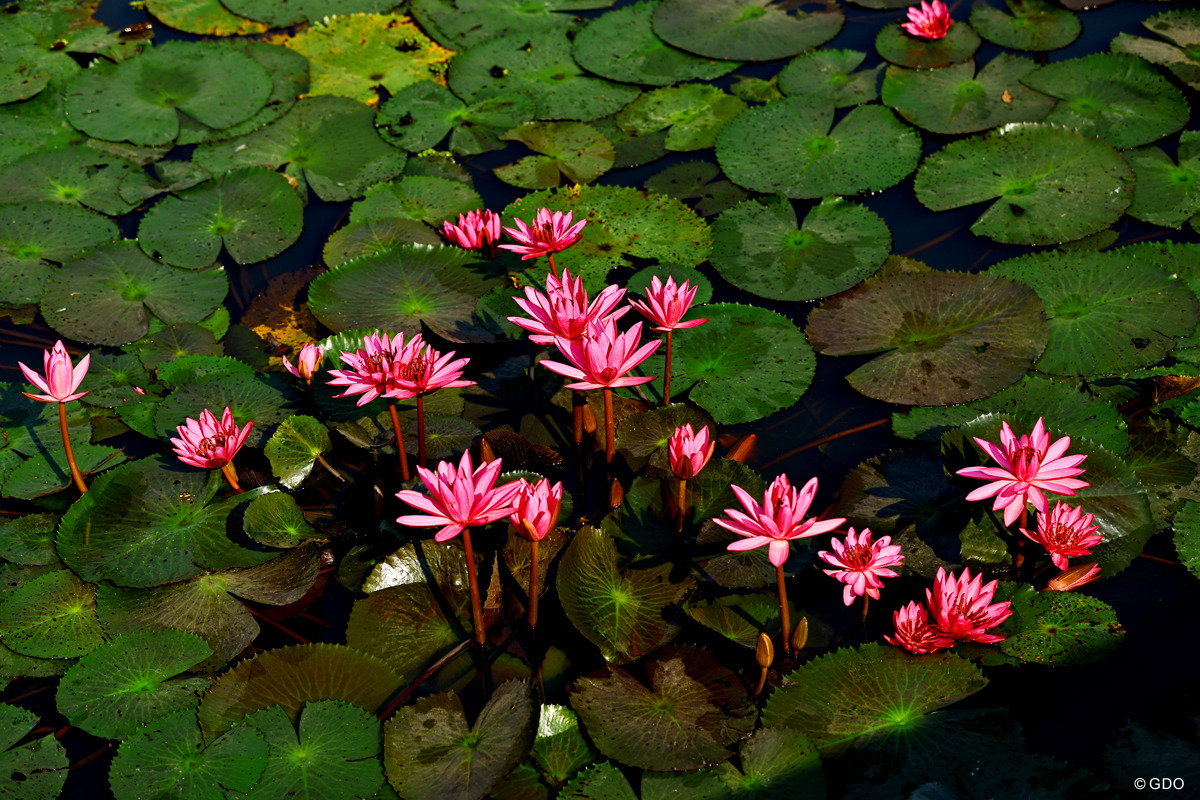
[(695, 114), (905, 50), (1178, 54), (750, 30), (1166, 193), (831, 75), (576, 150), (1030, 25), (1063, 628)]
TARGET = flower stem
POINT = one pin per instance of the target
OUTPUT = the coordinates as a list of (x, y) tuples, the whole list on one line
[(399, 442), (231, 475), (62, 424), (473, 580), (553, 269), (666, 399), (1019, 556), (420, 430), (329, 467), (866, 602), (681, 505), (533, 584), (577, 402), (762, 681), (610, 445), (784, 615)]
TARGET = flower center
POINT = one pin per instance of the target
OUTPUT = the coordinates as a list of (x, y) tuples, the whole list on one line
[(210, 443), (859, 556), (414, 371)]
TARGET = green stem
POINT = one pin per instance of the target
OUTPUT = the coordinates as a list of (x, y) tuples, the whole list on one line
[(75, 474)]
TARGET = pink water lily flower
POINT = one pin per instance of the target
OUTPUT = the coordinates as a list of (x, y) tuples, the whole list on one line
[(564, 310), (210, 443), (307, 363), (424, 370), (459, 498), (537, 507), (861, 563), (930, 21), (1066, 532), (1028, 467), (603, 358), (914, 633), (666, 304), (373, 367), (689, 451), (549, 233), (476, 230), (962, 607), (778, 520), (61, 379)]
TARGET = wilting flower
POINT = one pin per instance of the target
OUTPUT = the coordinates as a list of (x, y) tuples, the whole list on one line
[(537, 507), (459, 498), (1074, 577), (424, 370), (778, 520), (667, 303), (564, 311), (1029, 466), (1066, 532), (689, 451), (914, 633), (208, 443), (549, 233), (930, 21), (475, 230), (861, 563), (604, 358), (372, 368), (61, 379), (307, 363), (962, 607)]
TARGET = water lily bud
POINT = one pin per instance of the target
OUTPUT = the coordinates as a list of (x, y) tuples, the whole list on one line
[(764, 654), (1074, 577), (616, 495), (800, 635)]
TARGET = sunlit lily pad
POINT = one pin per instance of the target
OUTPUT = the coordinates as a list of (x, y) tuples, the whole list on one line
[(1104, 316), (688, 718), (1063, 628), (792, 147), (463, 24), (267, 400), (905, 50), (1050, 184), (751, 30), (758, 247), (279, 15), (831, 75), (75, 176), (957, 100), (34, 234), (776, 764), (943, 338), (53, 616), (1181, 28), (1111, 96), (695, 114), (419, 116), (540, 64), (571, 149), (1166, 193), (622, 46), (1030, 25), (276, 520), (427, 198), (204, 17), (698, 181), (140, 100), (739, 618), (295, 447), (374, 236)]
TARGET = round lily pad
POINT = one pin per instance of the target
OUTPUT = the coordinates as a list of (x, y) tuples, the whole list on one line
[(700, 181), (372, 237), (777, 764), (1104, 317), (53, 616), (757, 247), (695, 114), (1178, 53), (1050, 184), (1166, 193), (621, 45), (419, 117), (34, 769), (34, 234), (140, 100), (254, 213), (1030, 25), (267, 400), (464, 24), (957, 100), (1063, 628), (831, 75), (944, 337), (750, 30), (1111, 96), (29, 540), (75, 176), (739, 618), (106, 295), (276, 520), (905, 50), (279, 15), (792, 147), (571, 149), (204, 17), (427, 198), (295, 447)]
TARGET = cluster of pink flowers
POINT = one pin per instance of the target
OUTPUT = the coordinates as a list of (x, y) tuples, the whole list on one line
[(957, 610), (387, 366), (550, 232)]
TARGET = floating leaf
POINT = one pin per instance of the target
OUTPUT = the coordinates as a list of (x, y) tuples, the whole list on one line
[(29, 540), (176, 341), (463, 24), (697, 180), (1032, 25), (1166, 193), (792, 147), (34, 769), (275, 520), (74, 176), (739, 618), (47, 471), (295, 447), (905, 50), (1178, 27), (279, 15), (689, 717), (577, 151), (253, 212), (204, 17), (266, 401), (53, 616), (642, 438), (419, 116), (1050, 184), (622, 45), (752, 30), (1187, 536), (33, 234), (777, 764), (695, 114), (431, 753), (1104, 317), (419, 197), (945, 338), (560, 749), (602, 781), (829, 75), (1060, 628), (373, 237), (757, 247)]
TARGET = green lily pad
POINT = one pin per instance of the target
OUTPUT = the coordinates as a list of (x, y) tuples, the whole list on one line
[(702, 785), (626, 613), (1178, 53), (957, 100), (1164, 458), (47, 471), (34, 234), (110, 380), (25, 69), (600, 781), (891, 696), (29, 540), (254, 213), (750, 30), (74, 176), (463, 24), (419, 117), (695, 114), (642, 438), (53, 616), (1031, 25), (204, 17), (1166, 193), (295, 447), (276, 520), (902, 49), (699, 181), (777, 764), (169, 176), (792, 147), (560, 749), (168, 758), (738, 618), (426, 198), (944, 338), (279, 15), (34, 769), (127, 682), (175, 341), (1050, 184), (830, 75), (631, 151), (621, 45), (1104, 318), (140, 100), (430, 752), (266, 401), (540, 64), (1111, 96), (688, 718), (1187, 536), (375, 236), (1062, 628), (757, 247), (576, 150)]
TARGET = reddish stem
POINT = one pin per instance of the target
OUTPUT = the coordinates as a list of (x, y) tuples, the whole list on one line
[(533, 584), (399, 442), (820, 442), (553, 269), (473, 580), (666, 401), (610, 444), (784, 614), (420, 430), (577, 402), (62, 424), (681, 505)]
